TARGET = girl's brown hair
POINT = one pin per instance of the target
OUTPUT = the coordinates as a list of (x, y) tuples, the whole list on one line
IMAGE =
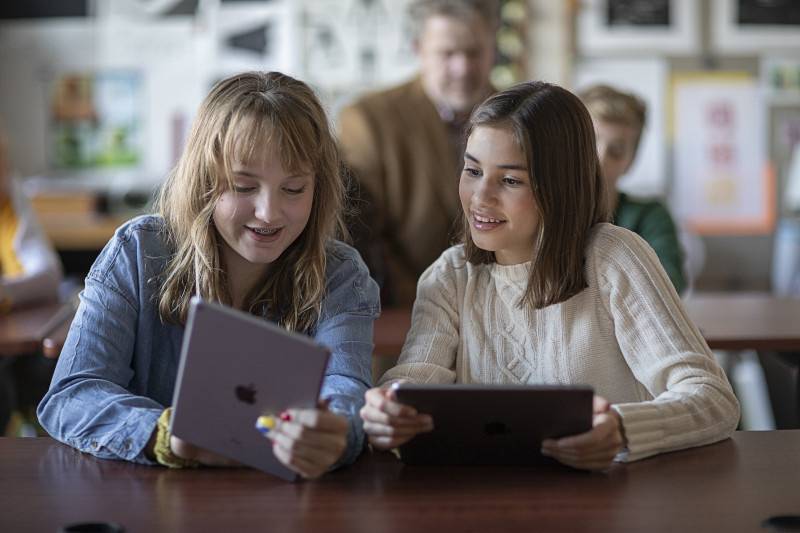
[(554, 131), (241, 116)]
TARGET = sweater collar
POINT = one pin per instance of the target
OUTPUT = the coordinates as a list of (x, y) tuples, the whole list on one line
[(512, 274)]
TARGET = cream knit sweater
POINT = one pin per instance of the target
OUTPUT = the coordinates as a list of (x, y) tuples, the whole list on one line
[(627, 335)]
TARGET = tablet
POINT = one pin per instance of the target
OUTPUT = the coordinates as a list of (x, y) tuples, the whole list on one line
[(493, 424), (235, 367)]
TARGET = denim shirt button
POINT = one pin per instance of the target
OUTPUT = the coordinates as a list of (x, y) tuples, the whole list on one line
[(94, 445)]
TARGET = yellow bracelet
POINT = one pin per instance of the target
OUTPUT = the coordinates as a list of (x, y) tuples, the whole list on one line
[(162, 449)]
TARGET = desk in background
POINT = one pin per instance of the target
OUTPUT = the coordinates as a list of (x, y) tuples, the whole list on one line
[(75, 220), (746, 320), (24, 330), (731, 486)]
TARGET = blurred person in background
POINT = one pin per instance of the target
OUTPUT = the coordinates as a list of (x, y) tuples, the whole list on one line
[(405, 144), (619, 119), (30, 272)]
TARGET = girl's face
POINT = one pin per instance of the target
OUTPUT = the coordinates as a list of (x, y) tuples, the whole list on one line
[(496, 195), (265, 212)]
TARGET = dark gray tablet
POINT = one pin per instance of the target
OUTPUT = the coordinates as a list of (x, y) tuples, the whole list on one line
[(493, 424), (235, 367)]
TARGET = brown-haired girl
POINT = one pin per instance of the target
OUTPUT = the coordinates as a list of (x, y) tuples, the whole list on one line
[(247, 218), (543, 291)]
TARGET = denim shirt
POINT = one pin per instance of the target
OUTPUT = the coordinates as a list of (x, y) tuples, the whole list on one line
[(117, 370)]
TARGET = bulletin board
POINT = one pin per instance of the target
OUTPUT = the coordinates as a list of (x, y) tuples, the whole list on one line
[(723, 183)]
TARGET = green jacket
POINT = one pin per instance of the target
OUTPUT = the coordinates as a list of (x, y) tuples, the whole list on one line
[(652, 221)]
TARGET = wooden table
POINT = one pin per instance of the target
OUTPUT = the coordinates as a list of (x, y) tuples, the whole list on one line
[(731, 486), (747, 321), (24, 330)]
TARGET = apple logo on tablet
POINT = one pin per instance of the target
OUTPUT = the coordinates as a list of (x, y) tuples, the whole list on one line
[(246, 394)]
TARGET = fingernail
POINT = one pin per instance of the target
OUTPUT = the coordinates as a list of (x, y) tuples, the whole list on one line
[(286, 417), (265, 423)]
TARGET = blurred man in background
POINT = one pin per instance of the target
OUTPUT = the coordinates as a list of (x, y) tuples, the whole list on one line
[(405, 145)]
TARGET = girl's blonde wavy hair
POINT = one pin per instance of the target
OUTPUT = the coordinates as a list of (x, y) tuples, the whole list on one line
[(241, 116)]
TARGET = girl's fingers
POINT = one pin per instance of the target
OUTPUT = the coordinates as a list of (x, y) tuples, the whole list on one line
[(605, 454), (298, 463), (605, 433), (319, 419), (370, 414), (382, 399), (600, 405), (184, 450), (387, 443), (313, 438), (309, 440), (315, 454), (379, 430)]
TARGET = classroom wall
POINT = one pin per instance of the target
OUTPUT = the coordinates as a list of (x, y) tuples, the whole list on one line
[(732, 261), (342, 47)]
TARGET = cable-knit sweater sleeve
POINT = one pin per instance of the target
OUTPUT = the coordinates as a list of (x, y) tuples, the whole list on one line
[(429, 353), (693, 403)]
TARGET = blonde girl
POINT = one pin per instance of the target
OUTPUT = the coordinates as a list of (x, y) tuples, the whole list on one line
[(247, 218)]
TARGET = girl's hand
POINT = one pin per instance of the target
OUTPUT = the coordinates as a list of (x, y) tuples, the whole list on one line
[(388, 423), (309, 441), (184, 450), (595, 449)]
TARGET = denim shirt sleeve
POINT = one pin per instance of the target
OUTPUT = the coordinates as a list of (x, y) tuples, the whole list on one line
[(345, 327), (89, 405)]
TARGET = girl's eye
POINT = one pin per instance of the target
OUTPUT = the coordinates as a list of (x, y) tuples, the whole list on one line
[(474, 172), (299, 190), (508, 180), (243, 189)]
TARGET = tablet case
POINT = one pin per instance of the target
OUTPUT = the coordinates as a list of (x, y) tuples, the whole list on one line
[(235, 367), (493, 424)]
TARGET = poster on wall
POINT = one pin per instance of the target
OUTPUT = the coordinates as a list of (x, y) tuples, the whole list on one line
[(638, 27), (723, 183), (753, 26), (356, 43), (95, 120)]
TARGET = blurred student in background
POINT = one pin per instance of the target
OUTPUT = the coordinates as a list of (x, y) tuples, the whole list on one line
[(30, 268), (405, 144), (619, 119), (30, 272)]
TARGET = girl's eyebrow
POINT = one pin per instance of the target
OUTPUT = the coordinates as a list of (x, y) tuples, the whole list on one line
[(245, 173), (248, 174), (523, 168)]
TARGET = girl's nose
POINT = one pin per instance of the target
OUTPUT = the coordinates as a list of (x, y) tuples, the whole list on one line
[(485, 192), (266, 206)]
